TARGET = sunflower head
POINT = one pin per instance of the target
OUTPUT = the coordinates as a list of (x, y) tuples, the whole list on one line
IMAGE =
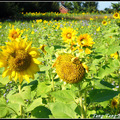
[(14, 34), (85, 40), (114, 55), (116, 15), (69, 68), (19, 60), (68, 35), (114, 103), (104, 22)]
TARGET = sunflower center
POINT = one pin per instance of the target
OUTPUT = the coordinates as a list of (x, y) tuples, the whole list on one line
[(14, 35), (114, 103), (19, 60), (68, 35), (116, 15), (83, 41)]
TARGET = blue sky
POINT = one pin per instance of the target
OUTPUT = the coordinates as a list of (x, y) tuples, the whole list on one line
[(102, 5)]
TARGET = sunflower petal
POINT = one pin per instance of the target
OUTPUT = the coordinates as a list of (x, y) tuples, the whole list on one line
[(6, 73)]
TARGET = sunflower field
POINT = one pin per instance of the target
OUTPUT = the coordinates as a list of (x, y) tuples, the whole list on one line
[(60, 68)]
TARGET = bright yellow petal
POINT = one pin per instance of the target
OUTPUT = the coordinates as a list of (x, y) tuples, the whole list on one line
[(28, 46), (36, 61), (34, 68), (16, 77), (6, 73), (26, 77), (86, 67)]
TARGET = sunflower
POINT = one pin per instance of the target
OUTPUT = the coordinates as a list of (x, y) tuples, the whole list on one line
[(19, 60), (114, 103), (69, 68), (68, 35), (114, 55), (88, 51), (98, 29), (42, 47), (14, 33), (116, 15), (85, 40), (104, 22)]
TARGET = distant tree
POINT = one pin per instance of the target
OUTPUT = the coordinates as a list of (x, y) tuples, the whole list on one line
[(108, 10), (9, 9), (116, 6), (90, 6), (69, 5), (77, 6)]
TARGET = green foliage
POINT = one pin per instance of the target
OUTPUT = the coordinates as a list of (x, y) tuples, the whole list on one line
[(116, 6), (47, 96), (63, 110), (100, 95)]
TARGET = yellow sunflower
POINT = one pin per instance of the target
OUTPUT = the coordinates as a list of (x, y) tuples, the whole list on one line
[(114, 103), (42, 47), (68, 35), (69, 68), (14, 33), (85, 40), (88, 51), (104, 22), (114, 55), (116, 15), (19, 60)]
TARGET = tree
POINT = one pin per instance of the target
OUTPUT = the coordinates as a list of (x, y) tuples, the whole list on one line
[(116, 6), (90, 6), (77, 7)]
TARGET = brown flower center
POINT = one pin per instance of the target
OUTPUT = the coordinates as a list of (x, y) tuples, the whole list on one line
[(15, 35), (68, 35), (19, 60)]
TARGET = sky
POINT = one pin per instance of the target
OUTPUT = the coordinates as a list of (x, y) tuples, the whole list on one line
[(102, 5)]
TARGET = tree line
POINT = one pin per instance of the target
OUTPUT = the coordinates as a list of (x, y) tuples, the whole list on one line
[(14, 8)]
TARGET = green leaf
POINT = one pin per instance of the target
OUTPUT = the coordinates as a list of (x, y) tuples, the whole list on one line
[(100, 95), (40, 112), (112, 49), (5, 80), (49, 50), (62, 110), (107, 69), (3, 108), (104, 103), (43, 88), (100, 84), (101, 50), (37, 102), (64, 95), (33, 84), (44, 68), (1, 70), (25, 92), (13, 108), (17, 98)]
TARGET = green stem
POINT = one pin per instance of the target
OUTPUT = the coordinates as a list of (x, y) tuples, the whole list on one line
[(85, 107), (21, 107), (52, 82), (81, 102)]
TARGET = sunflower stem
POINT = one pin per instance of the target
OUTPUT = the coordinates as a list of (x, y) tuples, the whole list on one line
[(81, 102), (52, 82), (85, 107), (21, 107)]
